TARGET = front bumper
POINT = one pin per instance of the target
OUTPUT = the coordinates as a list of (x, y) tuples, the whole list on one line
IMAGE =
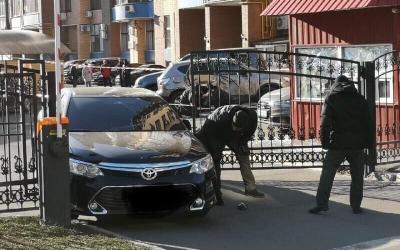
[(120, 192)]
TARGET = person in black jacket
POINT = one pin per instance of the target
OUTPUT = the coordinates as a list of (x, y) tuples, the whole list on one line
[(231, 126), (346, 130)]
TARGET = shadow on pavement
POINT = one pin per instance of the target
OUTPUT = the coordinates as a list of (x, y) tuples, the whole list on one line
[(278, 221)]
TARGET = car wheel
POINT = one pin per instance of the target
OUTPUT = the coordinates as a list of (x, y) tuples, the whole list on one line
[(174, 95)]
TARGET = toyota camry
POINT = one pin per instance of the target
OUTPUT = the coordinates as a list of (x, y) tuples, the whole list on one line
[(130, 153)]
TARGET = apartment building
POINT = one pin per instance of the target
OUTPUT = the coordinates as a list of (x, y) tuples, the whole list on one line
[(182, 26), (87, 29), (134, 24)]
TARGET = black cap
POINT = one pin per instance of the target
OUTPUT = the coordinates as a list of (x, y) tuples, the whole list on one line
[(241, 119), (342, 80)]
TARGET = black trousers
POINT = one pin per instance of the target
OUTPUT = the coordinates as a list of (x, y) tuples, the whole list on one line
[(332, 161)]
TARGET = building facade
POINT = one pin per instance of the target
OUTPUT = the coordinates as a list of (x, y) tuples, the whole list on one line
[(87, 29), (34, 15), (350, 30), (133, 21), (182, 26)]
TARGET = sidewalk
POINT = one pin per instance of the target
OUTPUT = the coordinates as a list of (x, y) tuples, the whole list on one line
[(279, 221)]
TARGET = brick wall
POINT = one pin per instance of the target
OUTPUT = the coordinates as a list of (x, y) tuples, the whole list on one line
[(191, 31), (223, 26), (251, 23), (161, 9)]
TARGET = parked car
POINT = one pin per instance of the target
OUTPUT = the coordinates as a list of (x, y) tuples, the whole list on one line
[(274, 107), (218, 84), (130, 153), (67, 70), (144, 70), (148, 81), (171, 83)]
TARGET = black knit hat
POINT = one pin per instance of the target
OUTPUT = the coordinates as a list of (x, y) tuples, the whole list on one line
[(343, 80), (241, 119)]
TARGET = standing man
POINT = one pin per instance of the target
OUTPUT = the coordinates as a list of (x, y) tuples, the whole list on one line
[(74, 75), (231, 126), (87, 74), (345, 133), (106, 73)]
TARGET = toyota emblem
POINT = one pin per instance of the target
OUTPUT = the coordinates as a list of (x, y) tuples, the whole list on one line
[(149, 174)]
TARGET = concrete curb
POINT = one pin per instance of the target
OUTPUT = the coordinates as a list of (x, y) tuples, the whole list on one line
[(92, 229)]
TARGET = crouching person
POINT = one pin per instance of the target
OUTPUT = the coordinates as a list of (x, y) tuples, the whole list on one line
[(231, 126)]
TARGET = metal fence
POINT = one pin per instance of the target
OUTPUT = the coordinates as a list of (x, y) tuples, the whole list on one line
[(287, 91), (23, 93)]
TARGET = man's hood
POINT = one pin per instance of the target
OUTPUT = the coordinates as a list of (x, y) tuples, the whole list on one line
[(135, 147), (342, 87)]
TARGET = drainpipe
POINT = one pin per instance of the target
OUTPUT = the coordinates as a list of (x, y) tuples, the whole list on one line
[(7, 4)]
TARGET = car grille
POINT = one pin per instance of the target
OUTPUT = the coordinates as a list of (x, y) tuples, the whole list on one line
[(164, 173), (125, 200)]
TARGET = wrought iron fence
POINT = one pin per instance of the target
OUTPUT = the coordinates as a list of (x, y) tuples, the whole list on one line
[(387, 78), (22, 95), (286, 90)]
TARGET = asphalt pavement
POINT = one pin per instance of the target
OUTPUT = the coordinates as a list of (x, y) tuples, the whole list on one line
[(278, 221)]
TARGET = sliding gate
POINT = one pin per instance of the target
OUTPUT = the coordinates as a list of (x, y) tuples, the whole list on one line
[(287, 91)]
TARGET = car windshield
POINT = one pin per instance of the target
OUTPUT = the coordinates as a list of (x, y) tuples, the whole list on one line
[(121, 114)]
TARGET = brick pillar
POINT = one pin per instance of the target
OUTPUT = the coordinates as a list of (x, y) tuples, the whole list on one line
[(84, 41), (138, 41), (191, 31), (223, 27), (251, 23)]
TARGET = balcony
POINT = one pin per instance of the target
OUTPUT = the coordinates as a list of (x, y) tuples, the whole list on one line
[(133, 11)]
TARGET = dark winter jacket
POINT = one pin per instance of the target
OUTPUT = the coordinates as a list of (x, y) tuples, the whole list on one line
[(345, 119), (217, 131)]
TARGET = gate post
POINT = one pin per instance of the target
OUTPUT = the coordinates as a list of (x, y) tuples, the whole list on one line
[(369, 76), (55, 179)]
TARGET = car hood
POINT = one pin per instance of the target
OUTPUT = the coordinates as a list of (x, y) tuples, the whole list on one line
[(135, 147)]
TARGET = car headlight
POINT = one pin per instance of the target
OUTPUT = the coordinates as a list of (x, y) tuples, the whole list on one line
[(84, 169), (203, 165)]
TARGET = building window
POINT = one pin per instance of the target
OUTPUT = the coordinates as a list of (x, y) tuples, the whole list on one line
[(66, 6), (2, 8), (95, 4), (309, 88), (150, 35), (30, 6), (16, 8), (167, 31), (124, 36), (97, 44)]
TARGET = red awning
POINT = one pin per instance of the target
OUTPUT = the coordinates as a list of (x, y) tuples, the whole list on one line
[(290, 7)]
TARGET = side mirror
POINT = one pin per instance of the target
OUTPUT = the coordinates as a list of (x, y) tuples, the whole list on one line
[(187, 124)]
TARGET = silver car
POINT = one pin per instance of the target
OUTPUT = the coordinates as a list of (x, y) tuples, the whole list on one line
[(274, 107), (171, 83)]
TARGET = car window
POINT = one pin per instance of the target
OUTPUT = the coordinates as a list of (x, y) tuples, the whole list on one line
[(183, 69), (122, 114)]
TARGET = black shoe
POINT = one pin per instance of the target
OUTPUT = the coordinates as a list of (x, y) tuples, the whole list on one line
[(254, 193), (317, 210), (357, 210)]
